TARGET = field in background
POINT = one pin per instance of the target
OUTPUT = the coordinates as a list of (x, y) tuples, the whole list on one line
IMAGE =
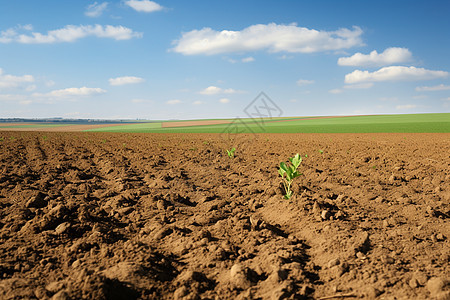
[(406, 123), (357, 124)]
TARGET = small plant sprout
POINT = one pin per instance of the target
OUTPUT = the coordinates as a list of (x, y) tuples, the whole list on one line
[(320, 151), (231, 152), (288, 173)]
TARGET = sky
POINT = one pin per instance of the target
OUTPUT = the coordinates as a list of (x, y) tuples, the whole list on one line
[(141, 59)]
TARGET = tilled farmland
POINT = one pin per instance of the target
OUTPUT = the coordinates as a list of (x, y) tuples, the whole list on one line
[(171, 216)]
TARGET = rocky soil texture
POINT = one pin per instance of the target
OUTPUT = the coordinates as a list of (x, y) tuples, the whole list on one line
[(171, 216)]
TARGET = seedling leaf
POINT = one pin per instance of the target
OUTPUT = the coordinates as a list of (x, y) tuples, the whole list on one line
[(290, 172), (231, 152)]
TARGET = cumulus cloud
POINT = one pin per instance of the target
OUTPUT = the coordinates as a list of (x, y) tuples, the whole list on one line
[(214, 90), (247, 59), (144, 5), (389, 56), (8, 35), (271, 37), (72, 92), (394, 73), (365, 85), (12, 81), (173, 102), (69, 33), (224, 100), (96, 9), (440, 87), (125, 80), (335, 91), (302, 82)]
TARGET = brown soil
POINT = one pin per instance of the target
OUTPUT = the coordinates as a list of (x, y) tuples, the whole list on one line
[(62, 128), (170, 216)]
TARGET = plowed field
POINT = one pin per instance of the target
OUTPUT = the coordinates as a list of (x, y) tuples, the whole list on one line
[(171, 216)]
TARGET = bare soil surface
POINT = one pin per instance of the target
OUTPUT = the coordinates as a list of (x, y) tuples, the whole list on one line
[(62, 128), (171, 216)]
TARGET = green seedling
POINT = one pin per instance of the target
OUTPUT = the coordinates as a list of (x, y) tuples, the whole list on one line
[(288, 173), (44, 137), (320, 151), (231, 152), (1, 139), (205, 143)]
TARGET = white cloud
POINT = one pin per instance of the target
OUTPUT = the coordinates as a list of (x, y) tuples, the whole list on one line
[(247, 59), (144, 5), (8, 35), (173, 102), (302, 82), (49, 83), (335, 91), (28, 27), (284, 56), (224, 100), (12, 81), (272, 37), (406, 106), (125, 80), (72, 92), (365, 85), (394, 73), (440, 87), (214, 90), (95, 10), (211, 90), (198, 102), (69, 33), (388, 57)]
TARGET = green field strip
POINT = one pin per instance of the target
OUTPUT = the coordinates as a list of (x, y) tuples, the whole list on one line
[(141, 127)]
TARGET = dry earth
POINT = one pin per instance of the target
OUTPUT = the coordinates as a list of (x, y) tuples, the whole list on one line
[(170, 216), (61, 128)]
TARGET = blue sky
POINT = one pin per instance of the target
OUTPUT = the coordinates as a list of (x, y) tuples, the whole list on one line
[(210, 59)]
